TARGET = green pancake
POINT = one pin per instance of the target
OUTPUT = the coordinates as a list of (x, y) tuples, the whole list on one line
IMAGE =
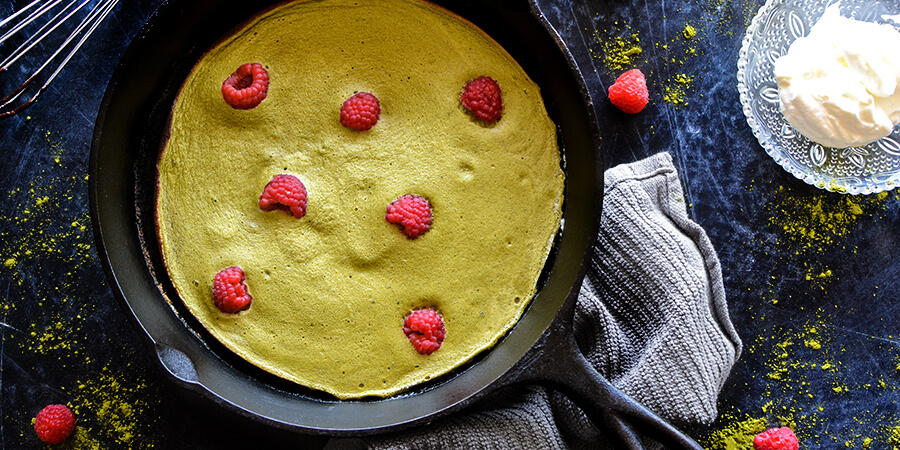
[(331, 290)]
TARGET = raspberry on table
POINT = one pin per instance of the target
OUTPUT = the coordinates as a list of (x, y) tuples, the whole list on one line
[(413, 214), (247, 87), (425, 329), (776, 439), (482, 96), (54, 424), (629, 92), (361, 111), (285, 192), (230, 292)]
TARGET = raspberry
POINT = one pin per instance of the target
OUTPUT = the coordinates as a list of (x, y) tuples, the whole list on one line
[(360, 112), (247, 87), (229, 290), (425, 329), (629, 92), (54, 424), (285, 192), (412, 213), (482, 97), (776, 439)]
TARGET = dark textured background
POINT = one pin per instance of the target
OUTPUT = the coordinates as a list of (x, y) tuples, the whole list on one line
[(810, 275)]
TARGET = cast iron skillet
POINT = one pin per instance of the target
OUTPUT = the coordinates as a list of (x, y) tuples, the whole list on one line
[(540, 348)]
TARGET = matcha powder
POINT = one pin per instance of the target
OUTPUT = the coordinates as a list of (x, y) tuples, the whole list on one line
[(736, 436)]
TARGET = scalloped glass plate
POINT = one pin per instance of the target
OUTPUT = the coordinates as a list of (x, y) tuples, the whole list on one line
[(853, 170)]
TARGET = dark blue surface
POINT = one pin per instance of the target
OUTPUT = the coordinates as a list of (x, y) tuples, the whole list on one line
[(822, 353)]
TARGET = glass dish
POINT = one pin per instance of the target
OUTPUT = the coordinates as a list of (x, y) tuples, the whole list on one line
[(854, 170)]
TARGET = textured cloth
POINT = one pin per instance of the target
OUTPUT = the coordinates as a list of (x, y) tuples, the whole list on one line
[(651, 317)]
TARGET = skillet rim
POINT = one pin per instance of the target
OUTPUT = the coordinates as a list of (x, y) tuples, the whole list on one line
[(172, 359)]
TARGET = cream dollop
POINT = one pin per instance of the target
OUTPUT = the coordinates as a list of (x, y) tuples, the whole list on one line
[(839, 84)]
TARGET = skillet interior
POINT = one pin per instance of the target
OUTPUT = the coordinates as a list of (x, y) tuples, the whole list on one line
[(127, 140)]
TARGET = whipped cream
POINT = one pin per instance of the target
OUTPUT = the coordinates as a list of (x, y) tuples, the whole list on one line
[(839, 85)]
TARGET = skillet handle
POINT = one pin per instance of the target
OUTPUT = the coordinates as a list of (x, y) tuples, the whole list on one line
[(609, 409)]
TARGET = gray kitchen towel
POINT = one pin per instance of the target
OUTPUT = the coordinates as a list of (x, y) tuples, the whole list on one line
[(651, 317)]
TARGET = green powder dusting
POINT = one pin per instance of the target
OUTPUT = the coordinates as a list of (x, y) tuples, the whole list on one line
[(621, 52), (114, 408), (803, 362), (676, 89), (737, 435), (813, 221), (111, 406), (39, 236), (49, 230), (621, 49), (724, 13), (49, 339), (804, 365), (819, 277), (895, 437)]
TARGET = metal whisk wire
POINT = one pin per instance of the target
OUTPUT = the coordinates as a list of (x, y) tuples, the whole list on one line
[(32, 15)]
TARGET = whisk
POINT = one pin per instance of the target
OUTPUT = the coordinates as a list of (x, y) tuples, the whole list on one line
[(49, 27)]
